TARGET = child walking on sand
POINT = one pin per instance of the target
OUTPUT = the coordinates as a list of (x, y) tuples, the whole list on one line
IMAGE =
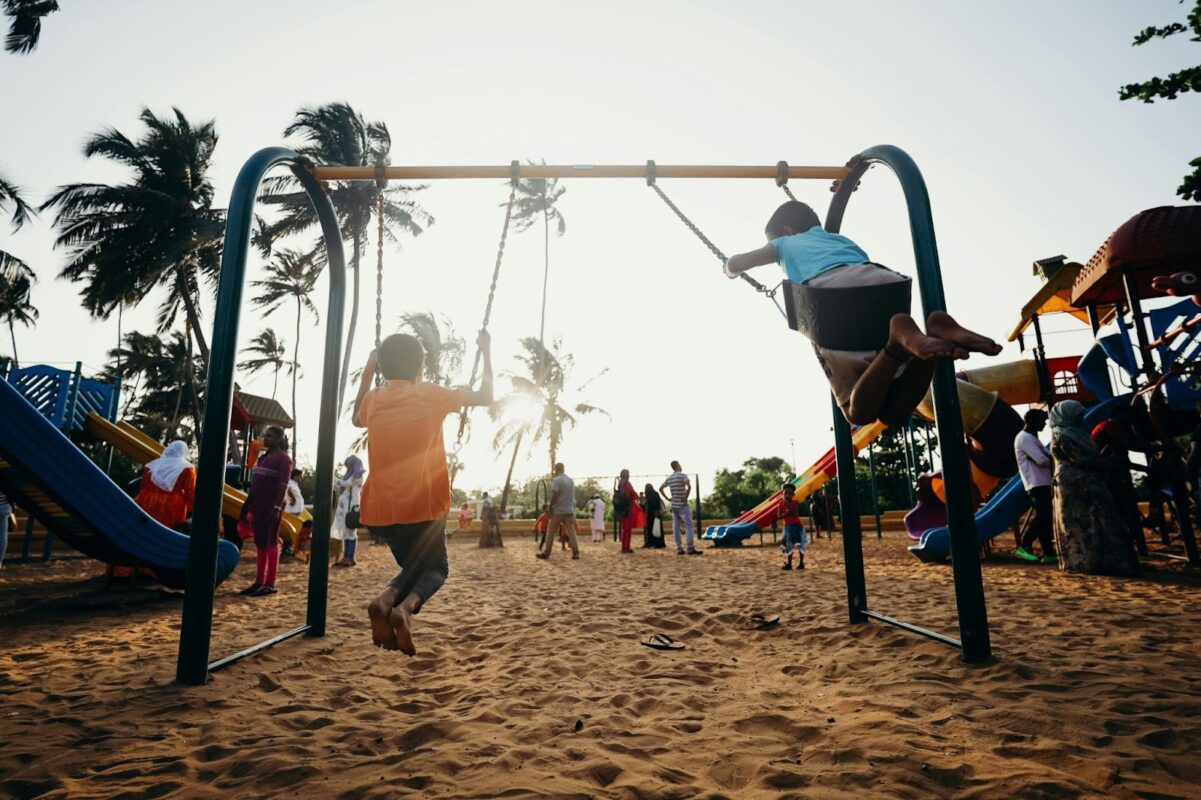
[(406, 497), (542, 525), (884, 384), (795, 540)]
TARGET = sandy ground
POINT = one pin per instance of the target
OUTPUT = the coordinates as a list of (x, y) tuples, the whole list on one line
[(531, 682)]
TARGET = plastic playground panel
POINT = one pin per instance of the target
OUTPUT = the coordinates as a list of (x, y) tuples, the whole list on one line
[(60, 486)]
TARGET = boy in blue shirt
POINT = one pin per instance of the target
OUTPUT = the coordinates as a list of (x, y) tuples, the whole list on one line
[(885, 384)]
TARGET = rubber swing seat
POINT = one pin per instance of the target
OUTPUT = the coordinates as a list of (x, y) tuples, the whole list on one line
[(846, 318)]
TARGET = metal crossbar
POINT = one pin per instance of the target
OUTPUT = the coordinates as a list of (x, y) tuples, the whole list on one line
[(338, 173)]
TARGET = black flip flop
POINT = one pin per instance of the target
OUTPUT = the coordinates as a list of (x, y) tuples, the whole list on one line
[(761, 621), (661, 641)]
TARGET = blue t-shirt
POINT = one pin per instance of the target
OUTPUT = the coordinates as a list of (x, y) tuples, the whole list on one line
[(806, 255)]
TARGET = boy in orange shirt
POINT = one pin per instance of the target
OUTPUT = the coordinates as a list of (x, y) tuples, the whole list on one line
[(542, 525), (406, 497)]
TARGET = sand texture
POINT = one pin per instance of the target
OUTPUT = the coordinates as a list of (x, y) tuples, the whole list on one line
[(530, 682)]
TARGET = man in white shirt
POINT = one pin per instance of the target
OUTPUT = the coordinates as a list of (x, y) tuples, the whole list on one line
[(1034, 465)]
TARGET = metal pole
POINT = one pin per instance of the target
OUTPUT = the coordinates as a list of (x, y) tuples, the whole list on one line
[(1136, 320), (196, 627), (699, 521), (323, 478), (909, 465), (852, 536), (965, 552), (1038, 336), (506, 172), (929, 446), (871, 463)]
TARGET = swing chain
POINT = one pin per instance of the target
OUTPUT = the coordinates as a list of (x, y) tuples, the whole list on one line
[(758, 287), (515, 169)]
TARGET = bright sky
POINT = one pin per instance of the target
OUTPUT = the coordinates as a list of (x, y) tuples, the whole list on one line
[(1010, 110)]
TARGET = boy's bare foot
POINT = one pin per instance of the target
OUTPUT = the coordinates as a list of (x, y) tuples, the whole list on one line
[(905, 335), (942, 325), (401, 620), (382, 632)]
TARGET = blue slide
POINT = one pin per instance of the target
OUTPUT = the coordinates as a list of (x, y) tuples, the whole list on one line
[(44, 473), (1004, 508)]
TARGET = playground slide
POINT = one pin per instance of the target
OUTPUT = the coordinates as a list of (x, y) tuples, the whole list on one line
[(808, 482), (142, 449), (60, 486), (1006, 506)]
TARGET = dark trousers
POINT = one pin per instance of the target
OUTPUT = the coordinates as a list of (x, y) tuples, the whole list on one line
[(1040, 526), (420, 550)]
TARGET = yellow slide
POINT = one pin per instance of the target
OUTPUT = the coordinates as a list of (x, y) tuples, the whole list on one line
[(142, 449)]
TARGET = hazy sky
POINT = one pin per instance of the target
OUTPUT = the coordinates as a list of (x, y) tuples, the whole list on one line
[(1010, 109)]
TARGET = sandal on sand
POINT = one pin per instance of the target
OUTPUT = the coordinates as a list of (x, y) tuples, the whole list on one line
[(661, 641), (761, 621)]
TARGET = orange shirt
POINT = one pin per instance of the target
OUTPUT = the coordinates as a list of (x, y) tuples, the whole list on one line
[(408, 480), (253, 451), (169, 508)]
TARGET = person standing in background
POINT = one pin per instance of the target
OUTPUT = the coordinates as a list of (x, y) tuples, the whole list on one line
[(625, 509), (346, 516), (596, 513), (562, 511), (1034, 465), (681, 514), (263, 506)]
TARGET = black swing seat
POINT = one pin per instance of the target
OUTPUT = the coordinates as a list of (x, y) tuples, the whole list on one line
[(846, 318)]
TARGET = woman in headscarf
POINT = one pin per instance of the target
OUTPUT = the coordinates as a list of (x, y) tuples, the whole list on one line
[(349, 487), (625, 509), (263, 507), (1091, 533), (652, 506), (168, 489)]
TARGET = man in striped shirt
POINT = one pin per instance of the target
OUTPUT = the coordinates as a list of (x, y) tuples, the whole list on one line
[(681, 514)]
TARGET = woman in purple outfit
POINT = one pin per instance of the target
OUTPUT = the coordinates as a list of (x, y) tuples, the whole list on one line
[(263, 505)]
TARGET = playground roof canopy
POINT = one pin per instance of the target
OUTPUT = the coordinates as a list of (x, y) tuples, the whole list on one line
[(1055, 297), (263, 410), (1158, 241)]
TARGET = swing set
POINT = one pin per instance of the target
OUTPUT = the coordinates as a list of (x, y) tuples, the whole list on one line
[(193, 665)]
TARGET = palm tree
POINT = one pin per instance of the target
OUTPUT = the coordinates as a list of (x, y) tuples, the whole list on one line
[(25, 26), (536, 199), (267, 350), (443, 349), (337, 134), (12, 267), (292, 275), (158, 369), (157, 230), (15, 307), (536, 407)]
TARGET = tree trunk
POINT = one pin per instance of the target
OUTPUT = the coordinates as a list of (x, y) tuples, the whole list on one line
[(170, 434), (193, 319), (295, 369), (356, 253), (13, 335), (545, 271), (275, 381), (504, 495), (192, 383)]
